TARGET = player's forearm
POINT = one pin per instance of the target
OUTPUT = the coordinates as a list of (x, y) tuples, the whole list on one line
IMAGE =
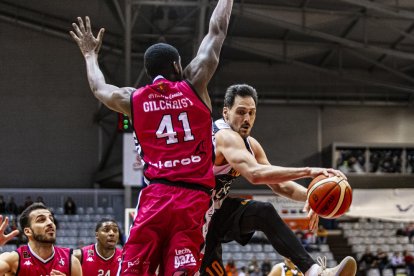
[(220, 18), (291, 190), (274, 175), (96, 78)]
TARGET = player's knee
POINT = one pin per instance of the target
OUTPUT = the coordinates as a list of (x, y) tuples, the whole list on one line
[(266, 210)]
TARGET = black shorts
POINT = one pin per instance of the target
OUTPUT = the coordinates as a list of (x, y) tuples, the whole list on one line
[(224, 227)]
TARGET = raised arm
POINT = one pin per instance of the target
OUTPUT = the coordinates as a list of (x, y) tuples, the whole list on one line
[(115, 98), (3, 225), (202, 67)]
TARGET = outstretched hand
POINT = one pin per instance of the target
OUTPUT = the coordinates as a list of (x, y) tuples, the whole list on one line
[(313, 217), (83, 36), (3, 237)]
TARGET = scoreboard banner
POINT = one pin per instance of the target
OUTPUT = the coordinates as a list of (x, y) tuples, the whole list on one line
[(386, 204)]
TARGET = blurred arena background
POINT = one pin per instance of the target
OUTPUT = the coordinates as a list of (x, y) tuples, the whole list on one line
[(335, 83)]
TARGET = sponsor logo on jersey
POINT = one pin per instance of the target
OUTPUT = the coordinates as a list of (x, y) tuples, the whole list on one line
[(27, 263), (177, 162), (184, 257), (62, 262), (89, 259)]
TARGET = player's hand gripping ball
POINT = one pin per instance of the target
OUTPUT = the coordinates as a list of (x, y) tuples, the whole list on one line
[(329, 197)]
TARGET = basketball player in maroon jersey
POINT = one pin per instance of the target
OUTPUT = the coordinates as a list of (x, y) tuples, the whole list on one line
[(237, 153), (103, 257), (39, 256), (173, 132)]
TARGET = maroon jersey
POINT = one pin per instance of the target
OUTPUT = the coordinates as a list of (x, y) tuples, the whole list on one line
[(94, 264), (32, 265), (173, 132)]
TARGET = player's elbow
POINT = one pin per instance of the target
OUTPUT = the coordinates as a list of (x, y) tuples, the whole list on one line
[(255, 177), (219, 26)]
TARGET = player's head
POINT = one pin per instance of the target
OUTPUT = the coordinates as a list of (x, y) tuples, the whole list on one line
[(163, 59), (38, 224), (107, 233), (239, 109)]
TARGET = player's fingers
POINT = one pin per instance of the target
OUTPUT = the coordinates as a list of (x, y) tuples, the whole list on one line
[(315, 225), (306, 208), (313, 220), (3, 223), (100, 38), (342, 175), (88, 25), (11, 235), (81, 25), (77, 30), (74, 36)]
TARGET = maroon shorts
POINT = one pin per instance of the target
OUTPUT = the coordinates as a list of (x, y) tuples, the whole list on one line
[(169, 231)]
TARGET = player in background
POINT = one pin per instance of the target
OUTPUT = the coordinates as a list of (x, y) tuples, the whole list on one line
[(103, 257), (173, 130), (237, 153), (39, 256)]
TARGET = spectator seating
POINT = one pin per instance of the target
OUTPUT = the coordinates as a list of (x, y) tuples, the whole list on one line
[(376, 234)]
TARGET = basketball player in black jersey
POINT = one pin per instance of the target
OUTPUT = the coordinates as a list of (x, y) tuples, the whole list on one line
[(237, 153)]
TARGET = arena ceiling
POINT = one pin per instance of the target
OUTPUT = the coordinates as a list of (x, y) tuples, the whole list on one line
[(293, 51)]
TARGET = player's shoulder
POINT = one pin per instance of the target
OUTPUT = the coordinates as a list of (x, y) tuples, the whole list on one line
[(11, 258), (12, 255)]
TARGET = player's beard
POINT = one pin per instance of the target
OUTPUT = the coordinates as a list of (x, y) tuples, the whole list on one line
[(43, 238)]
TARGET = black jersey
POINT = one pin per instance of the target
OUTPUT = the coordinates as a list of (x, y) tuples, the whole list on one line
[(225, 174)]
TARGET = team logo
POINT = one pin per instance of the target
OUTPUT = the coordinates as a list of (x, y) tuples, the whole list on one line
[(26, 255), (90, 253)]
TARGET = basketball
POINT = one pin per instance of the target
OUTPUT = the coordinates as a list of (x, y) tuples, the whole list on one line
[(329, 197)]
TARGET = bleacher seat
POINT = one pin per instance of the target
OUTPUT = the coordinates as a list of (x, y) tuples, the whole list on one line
[(261, 256), (90, 210), (373, 272), (100, 210), (246, 248), (403, 239), (80, 210), (387, 272), (257, 247), (59, 211)]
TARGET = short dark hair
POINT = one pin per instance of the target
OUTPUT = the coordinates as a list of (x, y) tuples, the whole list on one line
[(101, 222), (25, 215), (158, 59), (242, 90)]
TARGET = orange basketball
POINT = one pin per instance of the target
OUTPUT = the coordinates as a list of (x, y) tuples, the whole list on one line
[(329, 197)]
